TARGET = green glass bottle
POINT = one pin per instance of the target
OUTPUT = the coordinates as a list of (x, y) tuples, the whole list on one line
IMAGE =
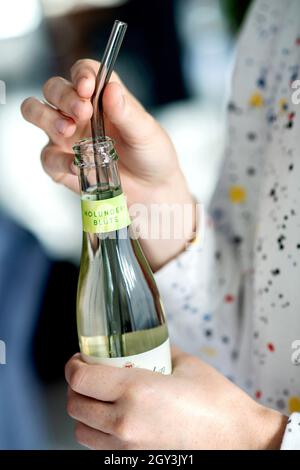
[(120, 317)]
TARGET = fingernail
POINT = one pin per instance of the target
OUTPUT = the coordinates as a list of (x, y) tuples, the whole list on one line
[(76, 108), (82, 82), (61, 125)]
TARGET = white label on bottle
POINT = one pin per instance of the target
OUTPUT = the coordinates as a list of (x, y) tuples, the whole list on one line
[(157, 360)]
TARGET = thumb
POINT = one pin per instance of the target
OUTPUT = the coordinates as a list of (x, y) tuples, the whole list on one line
[(132, 122)]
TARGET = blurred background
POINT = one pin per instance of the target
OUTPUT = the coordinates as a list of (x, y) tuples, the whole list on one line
[(177, 59)]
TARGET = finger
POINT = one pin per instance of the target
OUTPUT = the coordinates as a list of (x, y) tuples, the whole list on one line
[(94, 439), (133, 123), (83, 76), (48, 119), (93, 413), (59, 166), (56, 162), (61, 94), (97, 381)]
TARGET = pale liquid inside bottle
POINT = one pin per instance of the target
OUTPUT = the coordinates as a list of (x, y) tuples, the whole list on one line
[(119, 312)]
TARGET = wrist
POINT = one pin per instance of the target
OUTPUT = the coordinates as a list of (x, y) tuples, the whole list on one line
[(270, 428), (171, 222)]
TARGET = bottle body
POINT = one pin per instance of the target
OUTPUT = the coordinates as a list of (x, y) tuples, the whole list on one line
[(120, 316)]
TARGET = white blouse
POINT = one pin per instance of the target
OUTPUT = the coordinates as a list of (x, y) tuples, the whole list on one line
[(234, 299)]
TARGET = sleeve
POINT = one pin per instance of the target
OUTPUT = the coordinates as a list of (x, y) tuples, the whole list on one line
[(291, 438), (206, 290), (200, 292)]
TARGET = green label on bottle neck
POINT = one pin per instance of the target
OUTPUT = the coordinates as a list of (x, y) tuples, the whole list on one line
[(107, 215)]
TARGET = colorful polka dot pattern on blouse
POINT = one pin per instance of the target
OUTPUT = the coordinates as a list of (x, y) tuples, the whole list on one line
[(236, 302)]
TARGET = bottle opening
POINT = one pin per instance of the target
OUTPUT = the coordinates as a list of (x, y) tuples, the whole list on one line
[(91, 152)]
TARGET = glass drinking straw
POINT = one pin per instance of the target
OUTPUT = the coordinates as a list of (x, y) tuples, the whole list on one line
[(103, 76), (97, 120)]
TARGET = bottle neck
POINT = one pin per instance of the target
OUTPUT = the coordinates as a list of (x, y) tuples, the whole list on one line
[(104, 216), (100, 183), (104, 208), (96, 160)]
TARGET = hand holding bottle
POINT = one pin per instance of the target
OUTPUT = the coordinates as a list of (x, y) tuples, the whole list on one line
[(148, 165), (194, 408)]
